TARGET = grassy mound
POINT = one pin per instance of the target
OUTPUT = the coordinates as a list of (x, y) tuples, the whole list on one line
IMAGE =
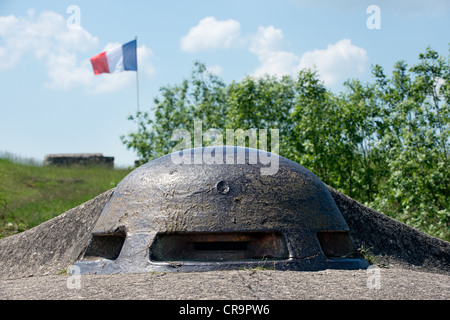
[(31, 194)]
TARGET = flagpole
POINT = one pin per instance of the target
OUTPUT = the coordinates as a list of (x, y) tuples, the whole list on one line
[(137, 98), (137, 79)]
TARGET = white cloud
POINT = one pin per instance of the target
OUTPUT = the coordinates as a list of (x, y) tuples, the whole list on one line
[(210, 33), (65, 72), (216, 70), (267, 39), (277, 63), (337, 62), (334, 64), (407, 8), (267, 44), (47, 38), (44, 35), (144, 55), (13, 49)]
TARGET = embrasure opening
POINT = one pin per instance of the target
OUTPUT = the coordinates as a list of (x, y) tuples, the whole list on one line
[(219, 246), (105, 246), (337, 244)]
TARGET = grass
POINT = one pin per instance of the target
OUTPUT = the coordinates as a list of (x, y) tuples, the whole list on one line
[(261, 266), (367, 254), (31, 194)]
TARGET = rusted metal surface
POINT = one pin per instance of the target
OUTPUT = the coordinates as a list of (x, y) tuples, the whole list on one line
[(221, 200)]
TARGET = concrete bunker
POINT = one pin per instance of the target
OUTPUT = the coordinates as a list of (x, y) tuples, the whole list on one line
[(167, 216), (78, 159)]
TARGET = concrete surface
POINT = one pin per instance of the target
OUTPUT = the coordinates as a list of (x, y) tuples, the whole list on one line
[(394, 284), (418, 266)]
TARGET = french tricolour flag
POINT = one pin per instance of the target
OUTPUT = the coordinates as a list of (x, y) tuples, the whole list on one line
[(118, 59)]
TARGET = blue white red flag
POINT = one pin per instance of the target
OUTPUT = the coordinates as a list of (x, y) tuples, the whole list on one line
[(122, 58)]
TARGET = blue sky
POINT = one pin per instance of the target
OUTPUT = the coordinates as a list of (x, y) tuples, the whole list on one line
[(51, 102)]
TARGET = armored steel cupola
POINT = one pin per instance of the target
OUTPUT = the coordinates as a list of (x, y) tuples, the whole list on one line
[(185, 213)]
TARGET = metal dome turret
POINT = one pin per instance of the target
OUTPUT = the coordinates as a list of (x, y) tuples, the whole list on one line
[(191, 216)]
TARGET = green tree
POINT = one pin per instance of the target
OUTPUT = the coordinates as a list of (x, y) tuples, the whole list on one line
[(202, 98), (362, 125), (384, 143), (262, 103), (313, 140), (414, 143)]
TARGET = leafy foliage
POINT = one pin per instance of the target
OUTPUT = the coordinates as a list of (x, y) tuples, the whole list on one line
[(384, 143)]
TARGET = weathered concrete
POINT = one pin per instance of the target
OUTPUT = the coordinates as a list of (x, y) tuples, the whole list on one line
[(263, 285), (54, 245), (392, 242), (78, 159)]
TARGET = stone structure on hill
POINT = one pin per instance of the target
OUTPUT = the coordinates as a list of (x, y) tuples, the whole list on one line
[(78, 159)]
